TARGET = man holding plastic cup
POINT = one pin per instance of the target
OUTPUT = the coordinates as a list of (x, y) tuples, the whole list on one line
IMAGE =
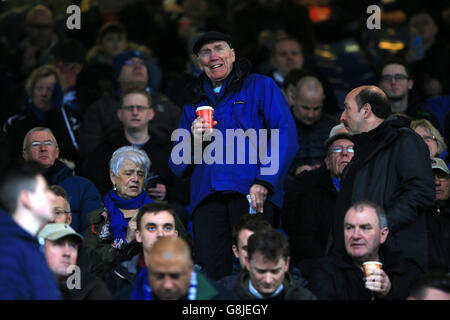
[(369, 269), (231, 100)]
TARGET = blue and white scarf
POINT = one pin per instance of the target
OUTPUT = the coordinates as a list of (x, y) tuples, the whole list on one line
[(113, 203)]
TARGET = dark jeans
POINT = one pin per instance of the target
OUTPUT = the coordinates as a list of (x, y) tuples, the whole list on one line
[(212, 222)]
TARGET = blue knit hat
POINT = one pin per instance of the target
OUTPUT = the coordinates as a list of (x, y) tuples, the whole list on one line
[(120, 59)]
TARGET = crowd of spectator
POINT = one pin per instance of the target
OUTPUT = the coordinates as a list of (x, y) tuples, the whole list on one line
[(90, 121)]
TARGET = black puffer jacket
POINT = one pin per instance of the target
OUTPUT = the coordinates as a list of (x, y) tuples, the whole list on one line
[(392, 168)]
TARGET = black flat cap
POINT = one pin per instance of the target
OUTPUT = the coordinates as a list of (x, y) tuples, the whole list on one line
[(208, 37)]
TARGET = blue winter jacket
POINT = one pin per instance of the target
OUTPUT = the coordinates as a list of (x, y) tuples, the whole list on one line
[(246, 101), (83, 195), (24, 274)]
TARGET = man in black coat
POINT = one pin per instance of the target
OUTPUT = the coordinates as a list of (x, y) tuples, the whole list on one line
[(313, 218), (391, 167), (341, 276)]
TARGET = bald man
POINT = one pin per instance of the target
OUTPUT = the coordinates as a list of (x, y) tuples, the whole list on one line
[(391, 167), (313, 126), (171, 275)]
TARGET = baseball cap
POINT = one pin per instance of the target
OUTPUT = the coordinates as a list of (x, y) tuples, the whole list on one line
[(438, 163), (208, 37), (56, 231)]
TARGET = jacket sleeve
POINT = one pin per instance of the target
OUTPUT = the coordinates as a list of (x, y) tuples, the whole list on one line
[(181, 158), (283, 143), (417, 189)]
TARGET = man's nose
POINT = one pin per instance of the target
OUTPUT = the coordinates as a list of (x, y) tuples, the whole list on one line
[(437, 181)]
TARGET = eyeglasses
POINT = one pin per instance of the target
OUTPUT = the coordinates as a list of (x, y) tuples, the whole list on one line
[(397, 77), (339, 149), (131, 108), (429, 138), (206, 53), (58, 212), (135, 62), (38, 144)]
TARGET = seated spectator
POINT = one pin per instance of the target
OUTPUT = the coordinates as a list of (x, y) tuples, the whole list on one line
[(69, 58), (135, 114), (266, 273), (40, 38), (101, 117), (61, 245), (431, 286), (396, 81), (111, 41), (242, 230), (310, 225), (152, 222), (40, 145), (43, 107), (431, 136), (61, 205), (313, 126), (285, 56), (438, 219), (25, 206), (341, 277), (428, 55), (112, 228), (171, 275)]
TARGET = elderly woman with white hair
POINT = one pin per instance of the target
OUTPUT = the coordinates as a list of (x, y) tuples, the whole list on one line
[(113, 227)]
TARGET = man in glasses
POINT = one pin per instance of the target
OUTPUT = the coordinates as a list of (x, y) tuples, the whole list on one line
[(40, 145), (129, 68), (438, 219), (391, 167), (396, 81), (310, 225), (135, 114)]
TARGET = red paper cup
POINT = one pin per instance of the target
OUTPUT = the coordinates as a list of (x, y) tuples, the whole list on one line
[(206, 113)]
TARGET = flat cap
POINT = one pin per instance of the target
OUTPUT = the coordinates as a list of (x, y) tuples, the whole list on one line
[(208, 37)]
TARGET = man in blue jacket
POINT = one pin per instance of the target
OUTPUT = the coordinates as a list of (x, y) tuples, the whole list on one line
[(251, 109), (25, 206), (40, 145)]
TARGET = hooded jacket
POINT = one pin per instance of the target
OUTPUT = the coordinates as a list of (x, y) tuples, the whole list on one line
[(24, 273), (246, 102)]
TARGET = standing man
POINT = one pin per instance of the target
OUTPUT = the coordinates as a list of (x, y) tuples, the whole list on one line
[(26, 202), (241, 101), (391, 167)]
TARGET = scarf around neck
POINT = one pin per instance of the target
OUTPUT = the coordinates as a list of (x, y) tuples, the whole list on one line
[(113, 203)]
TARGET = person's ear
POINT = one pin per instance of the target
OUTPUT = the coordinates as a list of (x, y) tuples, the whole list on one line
[(383, 234), (367, 108), (138, 235), (286, 266), (235, 251), (151, 114), (69, 218)]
